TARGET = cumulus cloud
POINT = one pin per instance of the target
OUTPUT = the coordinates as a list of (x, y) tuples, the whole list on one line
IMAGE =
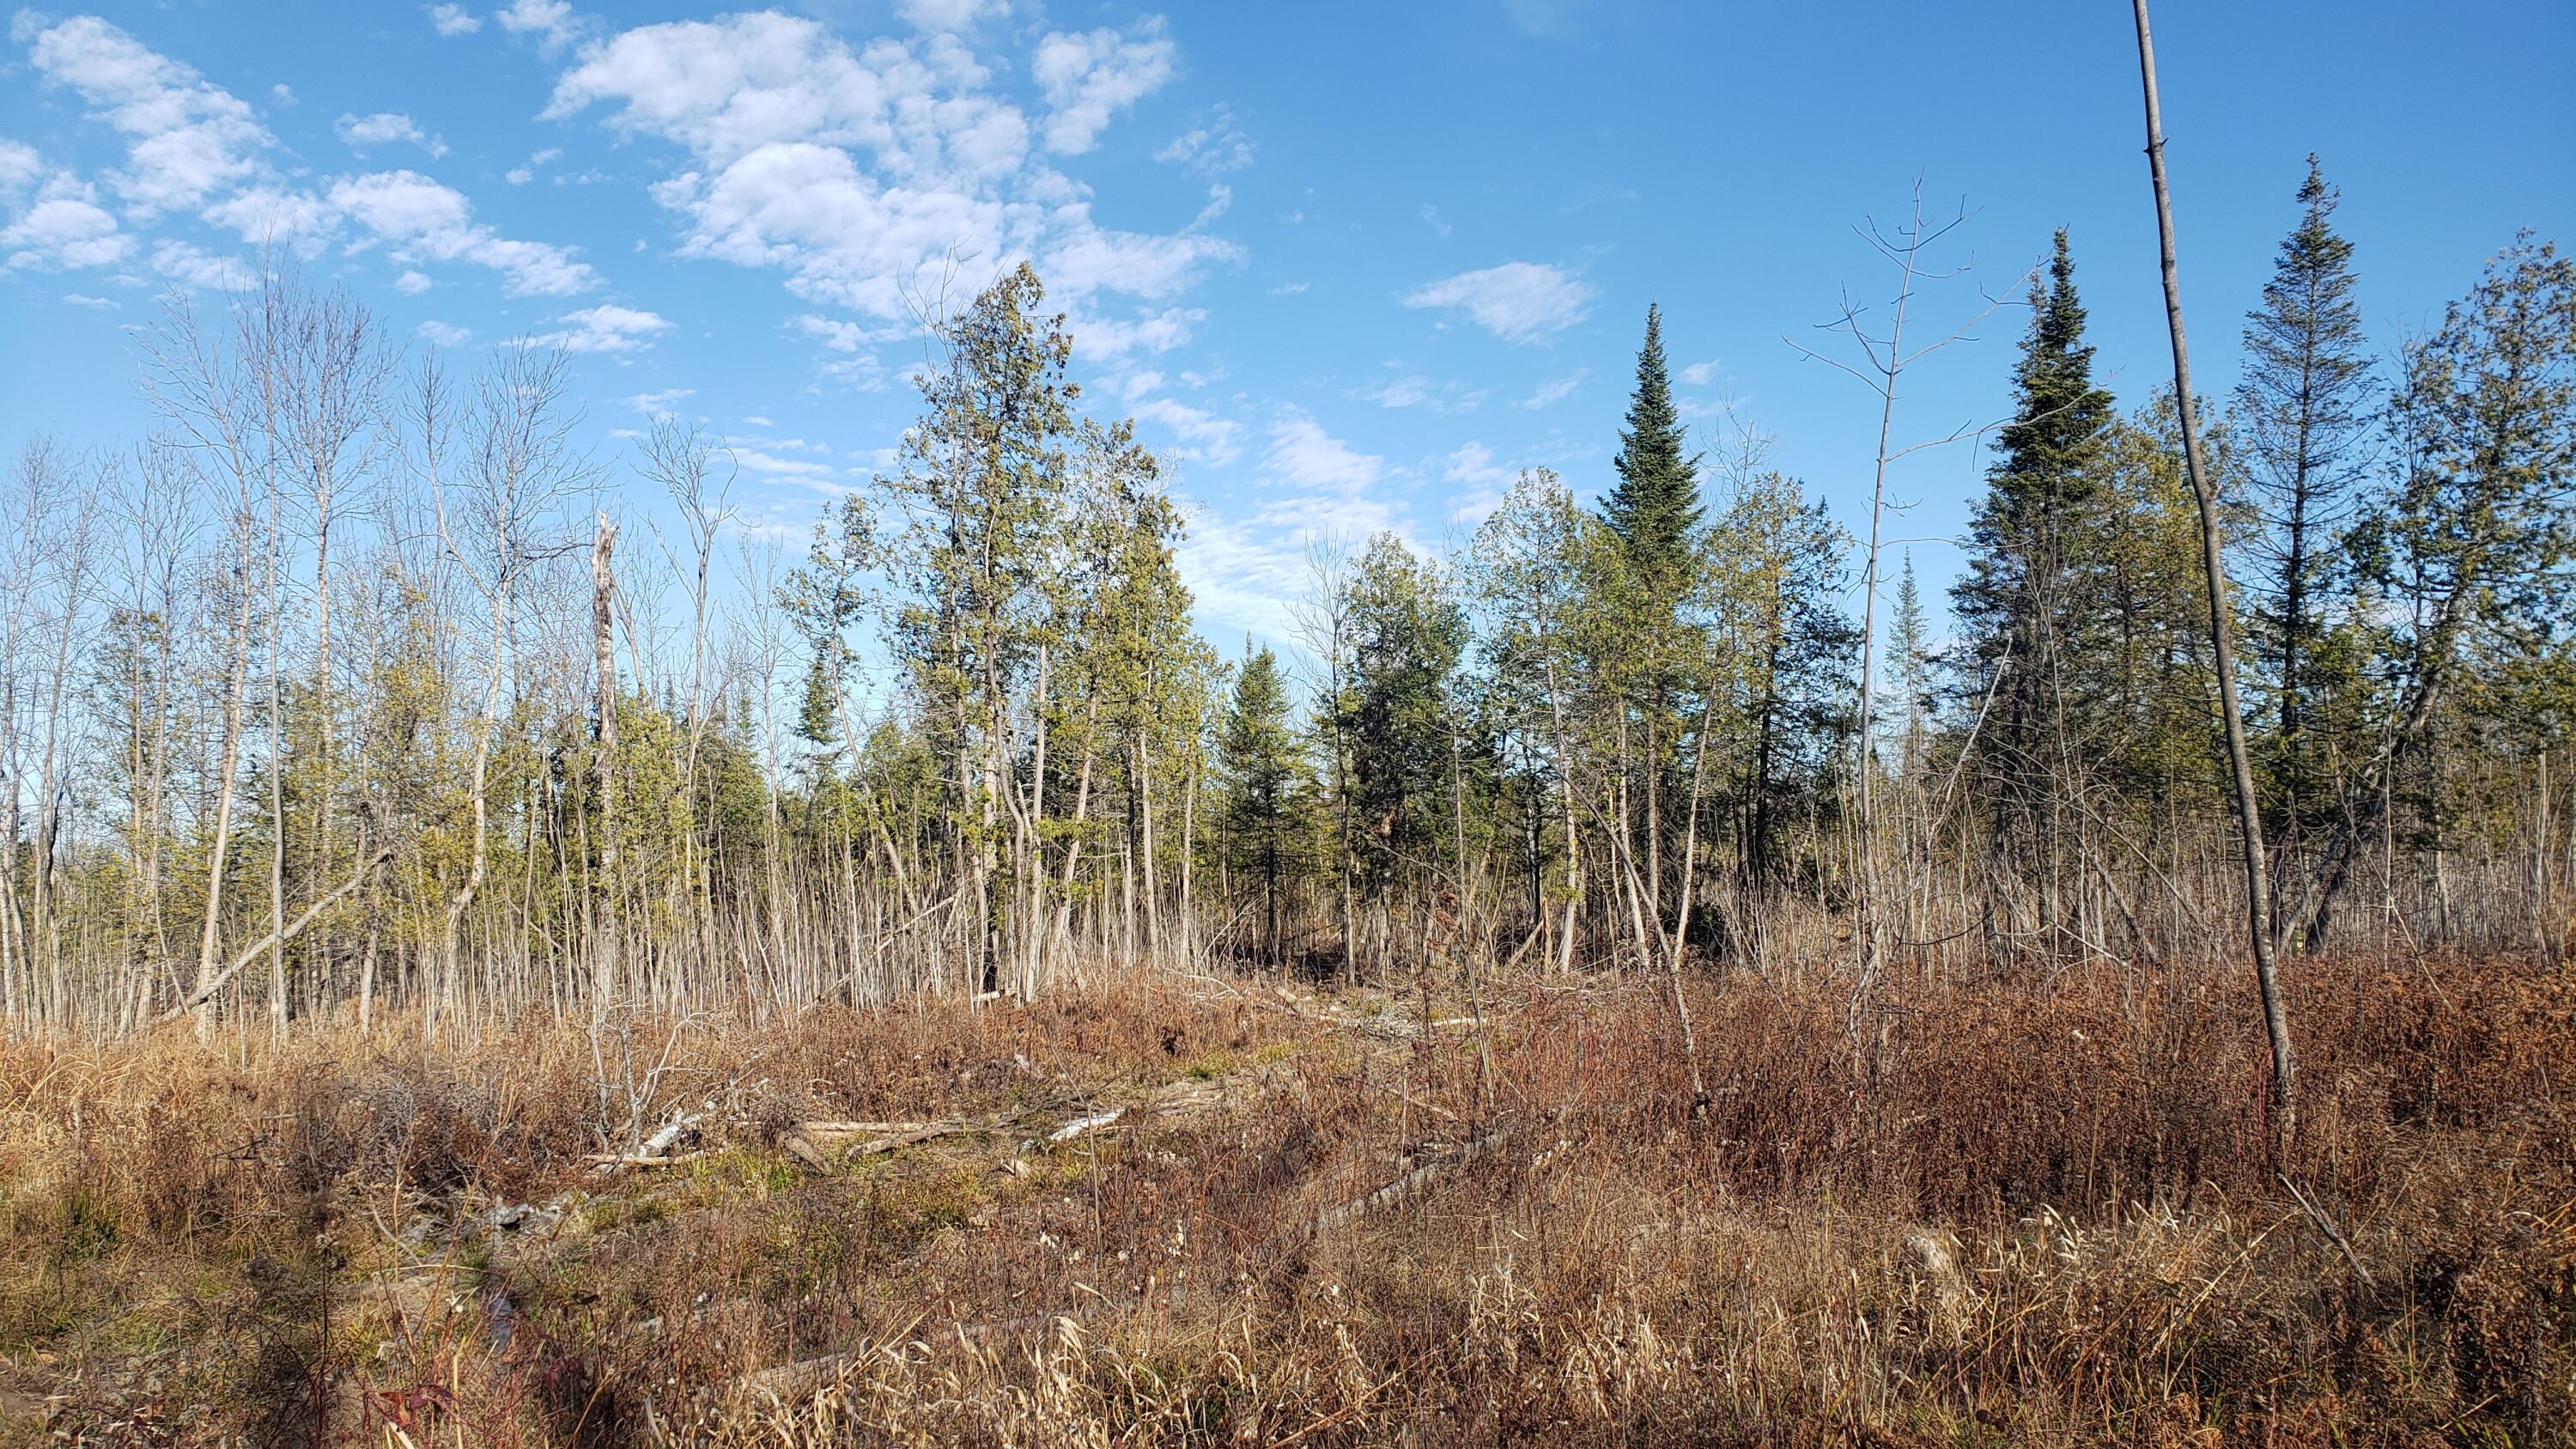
[(833, 333), (275, 214), (454, 20), (1517, 301), (1198, 434), (551, 23), (1091, 75), (605, 328), (445, 334), (19, 167), (384, 127), (193, 145), (185, 138), (425, 221), (949, 16), (64, 228), (1701, 374), (873, 176), (526, 171), (191, 266), (657, 405)]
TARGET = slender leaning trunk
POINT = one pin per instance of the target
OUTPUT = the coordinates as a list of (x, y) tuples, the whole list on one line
[(2258, 907)]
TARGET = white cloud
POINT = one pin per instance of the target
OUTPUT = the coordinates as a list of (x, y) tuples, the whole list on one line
[(1213, 147), (552, 22), (1554, 390), (1140, 264), (19, 166), (1482, 479), (452, 20), (283, 93), (83, 299), (191, 267), (1517, 301), (445, 334), (1202, 435), (267, 214), (1105, 339), (1303, 455), (1547, 19), (833, 333), (1246, 567), (1088, 76), (412, 284), (1701, 374), (604, 328), (65, 228), (360, 132), (1410, 390), (949, 16), (526, 171), (657, 405), (425, 221), (726, 88), (880, 178), (793, 470), (1399, 392), (192, 144), (186, 138)]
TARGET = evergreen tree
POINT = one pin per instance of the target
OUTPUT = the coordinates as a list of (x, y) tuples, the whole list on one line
[(1776, 573), (1263, 769), (2473, 553), (2021, 604), (2303, 410), (1655, 506), (1408, 635), (1910, 630)]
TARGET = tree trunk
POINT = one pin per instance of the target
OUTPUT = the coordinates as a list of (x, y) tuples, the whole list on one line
[(2222, 641)]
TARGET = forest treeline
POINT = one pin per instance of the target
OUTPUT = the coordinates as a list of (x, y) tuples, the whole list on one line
[(360, 687)]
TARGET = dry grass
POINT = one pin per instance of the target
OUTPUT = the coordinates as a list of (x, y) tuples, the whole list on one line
[(2025, 1213)]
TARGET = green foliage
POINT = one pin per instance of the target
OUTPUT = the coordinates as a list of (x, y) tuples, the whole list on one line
[(2304, 410), (1268, 788), (1397, 714), (1655, 507)]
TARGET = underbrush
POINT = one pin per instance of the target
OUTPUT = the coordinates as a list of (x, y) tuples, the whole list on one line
[(2019, 1212)]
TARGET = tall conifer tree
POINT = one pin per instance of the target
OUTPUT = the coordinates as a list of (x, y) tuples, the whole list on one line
[(1655, 505), (2303, 410), (2021, 604)]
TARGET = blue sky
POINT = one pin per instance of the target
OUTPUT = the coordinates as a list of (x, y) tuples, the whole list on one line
[(1351, 266)]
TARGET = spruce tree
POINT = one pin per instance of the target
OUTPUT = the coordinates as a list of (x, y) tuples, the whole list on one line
[(2303, 411), (1910, 643), (1259, 757), (2021, 604), (1655, 506)]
